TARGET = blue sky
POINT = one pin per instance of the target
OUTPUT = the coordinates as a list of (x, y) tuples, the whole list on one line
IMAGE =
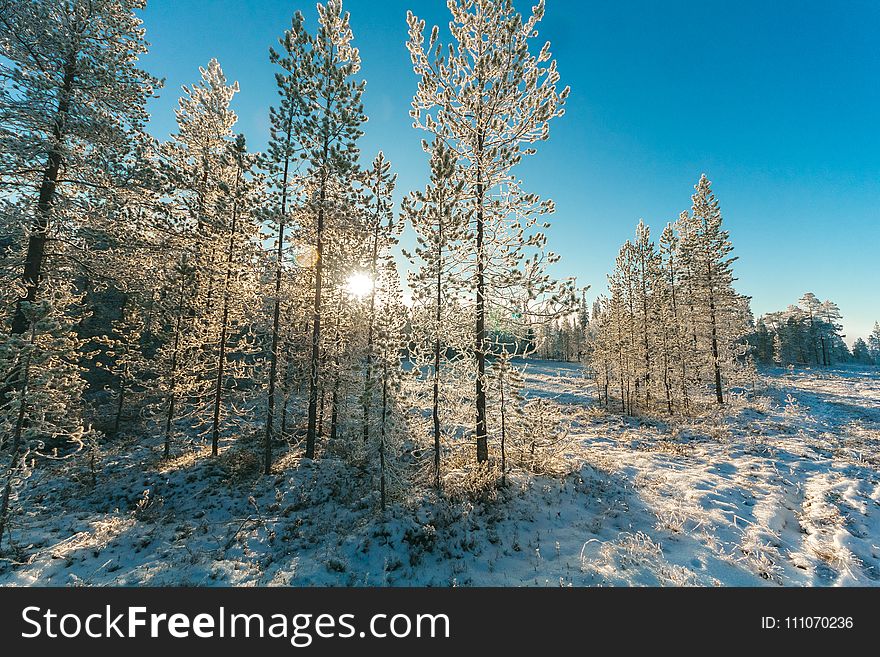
[(778, 102)]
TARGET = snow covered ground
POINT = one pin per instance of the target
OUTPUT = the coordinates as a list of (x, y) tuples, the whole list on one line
[(785, 490)]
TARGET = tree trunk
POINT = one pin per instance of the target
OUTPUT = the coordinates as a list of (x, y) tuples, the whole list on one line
[(438, 317), (480, 332), (368, 373), (320, 427), (645, 329), (316, 323), (287, 383), (276, 316), (503, 426), (606, 383), (719, 395), (16, 436), (383, 433), (224, 321), (173, 384), (337, 373), (621, 362), (33, 266), (119, 410), (678, 342)]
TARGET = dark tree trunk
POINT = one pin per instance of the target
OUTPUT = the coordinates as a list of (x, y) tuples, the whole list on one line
[(287, 383), (368, 373), (719, 394), (224, 321), (16, 436), (276, 314), (311, 431), (645, 329), (438, 316), (337, 374), (174, 358), (119, 404), (503, 428), (480, 332), (383, 433), (33, 266), (172, 396), (320, 427)]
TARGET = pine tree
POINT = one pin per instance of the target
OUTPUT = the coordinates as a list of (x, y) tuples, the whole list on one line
[(231, 321), (390, 339), (327, 130), (126, 355), (43, 410), (669, 311), (805, 334), (647, 278), (381, 232), (830, 338), (176, 370), (212, 227), (508, 400), (706, 250), (762, 343), (673, 315), (874, 343), (490, 99), (438, 218), (811, 306), (279, 162), (73, 111), (72, 108), (861, 353)]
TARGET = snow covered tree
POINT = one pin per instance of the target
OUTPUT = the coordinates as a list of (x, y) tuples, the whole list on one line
[(861, 353), (391, 427), (829, 330), (231, 320), (382, 235), (620, 325), (507, 384), (438, 217), (280, 162), (601, 348), (811, 305), (672, 314), (72, 108), (126, 356), (805, 334), (673, 318), (326, 128), (705, 251), (762, 343), (647, 275), (543, 437), (211, 224), (43, 411), (874, 343), (490, 99)]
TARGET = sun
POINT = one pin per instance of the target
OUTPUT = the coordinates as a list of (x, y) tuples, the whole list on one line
[(359, 285)]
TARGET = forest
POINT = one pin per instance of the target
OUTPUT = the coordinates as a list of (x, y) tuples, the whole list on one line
[(188, 320)]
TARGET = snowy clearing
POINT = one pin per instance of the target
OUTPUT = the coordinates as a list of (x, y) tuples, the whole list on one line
[(783, 491)]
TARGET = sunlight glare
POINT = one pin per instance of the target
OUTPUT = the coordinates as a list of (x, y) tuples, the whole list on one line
[(359, 285)]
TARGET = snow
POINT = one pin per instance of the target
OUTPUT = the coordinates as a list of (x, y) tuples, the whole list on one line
[(782, 490)]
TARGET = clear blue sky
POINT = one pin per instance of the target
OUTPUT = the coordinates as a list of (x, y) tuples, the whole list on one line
[(778, 102)]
